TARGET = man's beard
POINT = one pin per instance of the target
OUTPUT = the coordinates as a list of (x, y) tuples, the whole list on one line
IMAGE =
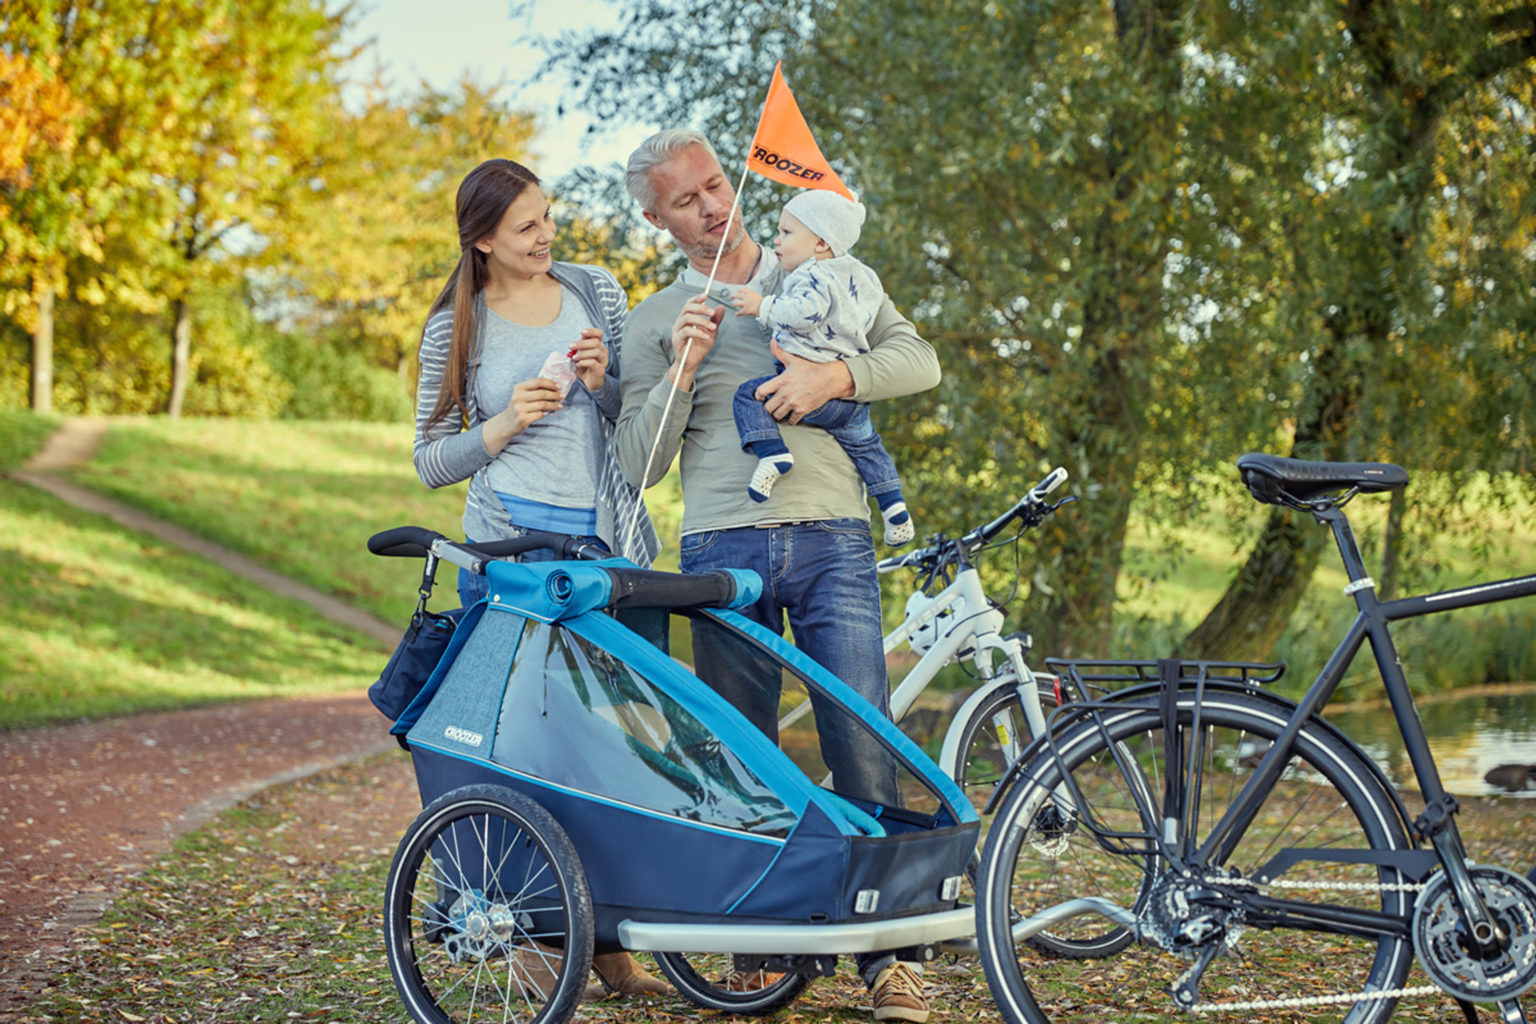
[(732, 242)]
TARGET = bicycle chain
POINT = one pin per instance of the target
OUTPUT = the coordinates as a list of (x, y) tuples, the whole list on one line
[(1301, 1001), (1281, 883)]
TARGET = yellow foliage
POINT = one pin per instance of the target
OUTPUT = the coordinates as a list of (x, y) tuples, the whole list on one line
[(37, 113)]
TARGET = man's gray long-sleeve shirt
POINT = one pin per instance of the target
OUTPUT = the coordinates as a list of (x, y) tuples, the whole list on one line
[(715, 470)]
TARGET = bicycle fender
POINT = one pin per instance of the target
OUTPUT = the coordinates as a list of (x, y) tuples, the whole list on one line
[(950, 753)]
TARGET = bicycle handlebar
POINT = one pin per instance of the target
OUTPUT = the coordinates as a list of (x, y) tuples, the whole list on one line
[(1032, 509), (418, 542)]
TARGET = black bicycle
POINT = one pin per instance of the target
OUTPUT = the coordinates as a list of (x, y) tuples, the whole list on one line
[(1265, 865)]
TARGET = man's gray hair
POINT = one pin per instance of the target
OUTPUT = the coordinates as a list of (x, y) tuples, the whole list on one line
[(657, 150)]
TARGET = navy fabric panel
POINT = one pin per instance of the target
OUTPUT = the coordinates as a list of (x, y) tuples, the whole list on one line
[(656, 866), (908, 868), (806, 879), (413, 710), (821, 872)]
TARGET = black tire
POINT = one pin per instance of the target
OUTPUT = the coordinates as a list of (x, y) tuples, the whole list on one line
[(711, 981), (487, 914), (1328, 796), (990, 740)]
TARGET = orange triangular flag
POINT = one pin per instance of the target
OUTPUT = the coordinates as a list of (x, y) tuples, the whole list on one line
[(784, 149)]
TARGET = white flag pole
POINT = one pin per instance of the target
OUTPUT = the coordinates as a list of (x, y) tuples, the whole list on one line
[(666, 408)]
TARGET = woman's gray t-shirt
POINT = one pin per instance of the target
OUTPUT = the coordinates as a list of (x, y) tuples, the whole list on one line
[(554, 461)]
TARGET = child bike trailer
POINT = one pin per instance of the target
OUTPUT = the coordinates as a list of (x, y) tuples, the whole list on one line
[(586, 785)]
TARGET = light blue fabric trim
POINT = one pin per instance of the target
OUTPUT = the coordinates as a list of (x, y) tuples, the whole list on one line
[(547, 591), (539, 515), (910, 754), (555, 591), (608, 801)]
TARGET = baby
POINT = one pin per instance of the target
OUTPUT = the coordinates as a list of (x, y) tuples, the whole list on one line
[(823, 312)]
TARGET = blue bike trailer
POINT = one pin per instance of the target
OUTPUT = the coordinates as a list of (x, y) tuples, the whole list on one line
[(563, 685)]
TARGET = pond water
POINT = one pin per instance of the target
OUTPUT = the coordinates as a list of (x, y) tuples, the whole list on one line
[(1470, 732)]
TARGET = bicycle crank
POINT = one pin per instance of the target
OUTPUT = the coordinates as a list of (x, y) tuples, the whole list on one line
[(1447, 954)]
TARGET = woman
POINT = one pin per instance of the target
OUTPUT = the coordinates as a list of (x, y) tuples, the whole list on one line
[(537, 457), (486, 412)]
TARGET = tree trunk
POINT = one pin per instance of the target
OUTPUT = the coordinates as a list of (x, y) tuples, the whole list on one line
[(1258, 604), (42, 353), (1123, 316), (181, 357), (1076, 619)]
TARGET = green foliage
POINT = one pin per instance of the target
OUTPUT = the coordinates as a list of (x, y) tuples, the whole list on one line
[(1149, 236), (330, 379)]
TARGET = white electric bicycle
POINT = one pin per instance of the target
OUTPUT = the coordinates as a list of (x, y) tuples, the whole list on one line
[(949, 619)]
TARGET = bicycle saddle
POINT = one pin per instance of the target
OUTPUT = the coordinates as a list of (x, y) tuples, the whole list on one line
[(1270, 477)]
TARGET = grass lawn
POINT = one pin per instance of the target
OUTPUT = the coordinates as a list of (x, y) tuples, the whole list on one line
[(301, 498), (103, 621)]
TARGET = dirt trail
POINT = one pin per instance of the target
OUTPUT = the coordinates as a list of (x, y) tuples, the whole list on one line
[(84, 807)]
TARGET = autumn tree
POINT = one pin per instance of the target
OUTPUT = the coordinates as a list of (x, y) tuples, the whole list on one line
[(249, 116), (364, 251), (191, 121), (1352, 128)]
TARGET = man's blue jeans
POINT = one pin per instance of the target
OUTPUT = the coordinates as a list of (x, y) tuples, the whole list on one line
[(821, 576), (847, 421)]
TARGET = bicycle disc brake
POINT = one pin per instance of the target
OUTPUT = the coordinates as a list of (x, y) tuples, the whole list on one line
[(1051, 830), (1445, 951)]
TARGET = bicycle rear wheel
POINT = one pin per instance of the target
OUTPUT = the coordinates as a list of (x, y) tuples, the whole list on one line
[(1327, 799), (712, 981), (992, 737)]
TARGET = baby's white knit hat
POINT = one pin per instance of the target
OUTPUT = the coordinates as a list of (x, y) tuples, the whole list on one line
[(833, 218)]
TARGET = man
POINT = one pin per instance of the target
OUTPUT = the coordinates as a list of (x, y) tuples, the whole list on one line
[(810, 540)]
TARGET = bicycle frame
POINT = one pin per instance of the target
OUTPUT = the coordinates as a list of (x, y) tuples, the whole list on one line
[(964, 598), (1372, 623), (974, 627)]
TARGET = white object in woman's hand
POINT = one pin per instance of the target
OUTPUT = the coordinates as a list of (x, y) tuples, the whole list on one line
[(561, 369)]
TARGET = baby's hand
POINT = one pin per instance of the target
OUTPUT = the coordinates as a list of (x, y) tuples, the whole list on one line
[(747, 302)]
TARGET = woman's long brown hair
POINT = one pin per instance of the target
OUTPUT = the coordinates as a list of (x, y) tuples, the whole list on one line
[(483, 198)]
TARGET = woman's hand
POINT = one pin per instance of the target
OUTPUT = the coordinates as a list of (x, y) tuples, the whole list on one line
[(591, 358), (693, 335), (531, 401)]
